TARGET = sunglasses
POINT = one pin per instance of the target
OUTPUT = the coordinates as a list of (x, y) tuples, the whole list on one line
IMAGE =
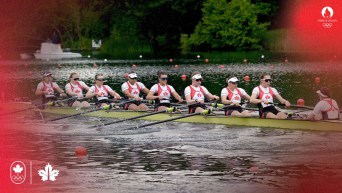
[(76, 78), (199, 80), (100, 80), (237, 82), (133, 78), (164, 79), (268, 80)]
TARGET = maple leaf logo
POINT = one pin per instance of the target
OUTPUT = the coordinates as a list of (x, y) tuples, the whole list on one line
[(135, 92), (237, 97), (199, 94), (18, 169), (166, 93), (48, 173), (267, 97)]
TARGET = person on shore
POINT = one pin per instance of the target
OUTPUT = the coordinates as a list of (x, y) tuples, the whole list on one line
[(162, 92), (46, 89), (195, 94), (75, 89), (101, 92), (264, 95), (132, 89), (232, 95), (327, 108)]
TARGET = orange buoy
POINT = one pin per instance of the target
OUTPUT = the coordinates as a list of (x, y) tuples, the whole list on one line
[(80, 151), (126, 75), (206, 60), (176, 66), (300, 102), (245, 60), (170, 60), (317, 80), (246, 78), (183, 77)]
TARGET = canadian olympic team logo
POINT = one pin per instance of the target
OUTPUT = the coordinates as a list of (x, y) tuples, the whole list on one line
[(327, 20)]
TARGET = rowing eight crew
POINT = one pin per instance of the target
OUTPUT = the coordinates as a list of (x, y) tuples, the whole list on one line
[(195, 94)]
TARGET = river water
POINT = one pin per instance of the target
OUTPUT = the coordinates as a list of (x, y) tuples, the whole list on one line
[(181, 157)]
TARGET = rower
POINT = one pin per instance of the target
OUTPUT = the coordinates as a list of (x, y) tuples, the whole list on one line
[(231, 95), (46, 88), (101, 92), (75, 89), (132, 90), (326, 108), (263, 95), (162, 92), (195, 94)]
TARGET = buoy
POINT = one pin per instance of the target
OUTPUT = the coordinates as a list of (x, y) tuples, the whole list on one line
[(206, 60), (262, 56), (198, 56), (59, 65), (300, 102), (134, 66), (80, 151), (245, 60), (105, 60), (183, 77), (221, 66), (126, 75), (140, 56), (88, 56), (246, 78), (94, 65), (170, 60), (317, 80), (176, 66)]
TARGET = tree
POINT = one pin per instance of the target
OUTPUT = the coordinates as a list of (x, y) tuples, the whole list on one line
[(233, 25)]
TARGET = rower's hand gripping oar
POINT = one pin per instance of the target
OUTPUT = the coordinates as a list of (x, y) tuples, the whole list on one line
[(168, 110), (204, 112), (106, 107)]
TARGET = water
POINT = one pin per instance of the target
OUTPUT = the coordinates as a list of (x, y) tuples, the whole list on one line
[(180, 157)]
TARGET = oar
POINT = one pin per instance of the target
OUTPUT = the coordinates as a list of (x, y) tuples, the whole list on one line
[(303, 107), (168, 110), (106, 107), (204, 112), (42, 105)]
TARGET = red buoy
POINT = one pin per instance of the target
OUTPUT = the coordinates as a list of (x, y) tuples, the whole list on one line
[(126, 75), (221, 66), (317, 80), (300, 102), (206, 60), (183, 77), (170, 60), (176, 66), (246, 78), (245, 60), (80, 151)]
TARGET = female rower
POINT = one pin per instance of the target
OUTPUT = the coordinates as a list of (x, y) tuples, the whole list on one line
[(75, 89), (101, 92), (326, 108), (46, 88), (263, 95), (195, 94), (162, 92), (132, 90), (231, 95)]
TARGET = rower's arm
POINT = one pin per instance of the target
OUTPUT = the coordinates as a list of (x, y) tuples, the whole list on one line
[(254, 100), (150, 96), (128, 94), (114, 94), (90, 94), (176, 95), (212, 97), (282, 100), (246, 96), (225, 101), (146, 90)]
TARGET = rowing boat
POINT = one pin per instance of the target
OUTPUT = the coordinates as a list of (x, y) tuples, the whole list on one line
[(218, 118)]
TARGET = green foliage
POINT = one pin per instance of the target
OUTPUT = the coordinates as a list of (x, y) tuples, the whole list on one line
[(233, 25)]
